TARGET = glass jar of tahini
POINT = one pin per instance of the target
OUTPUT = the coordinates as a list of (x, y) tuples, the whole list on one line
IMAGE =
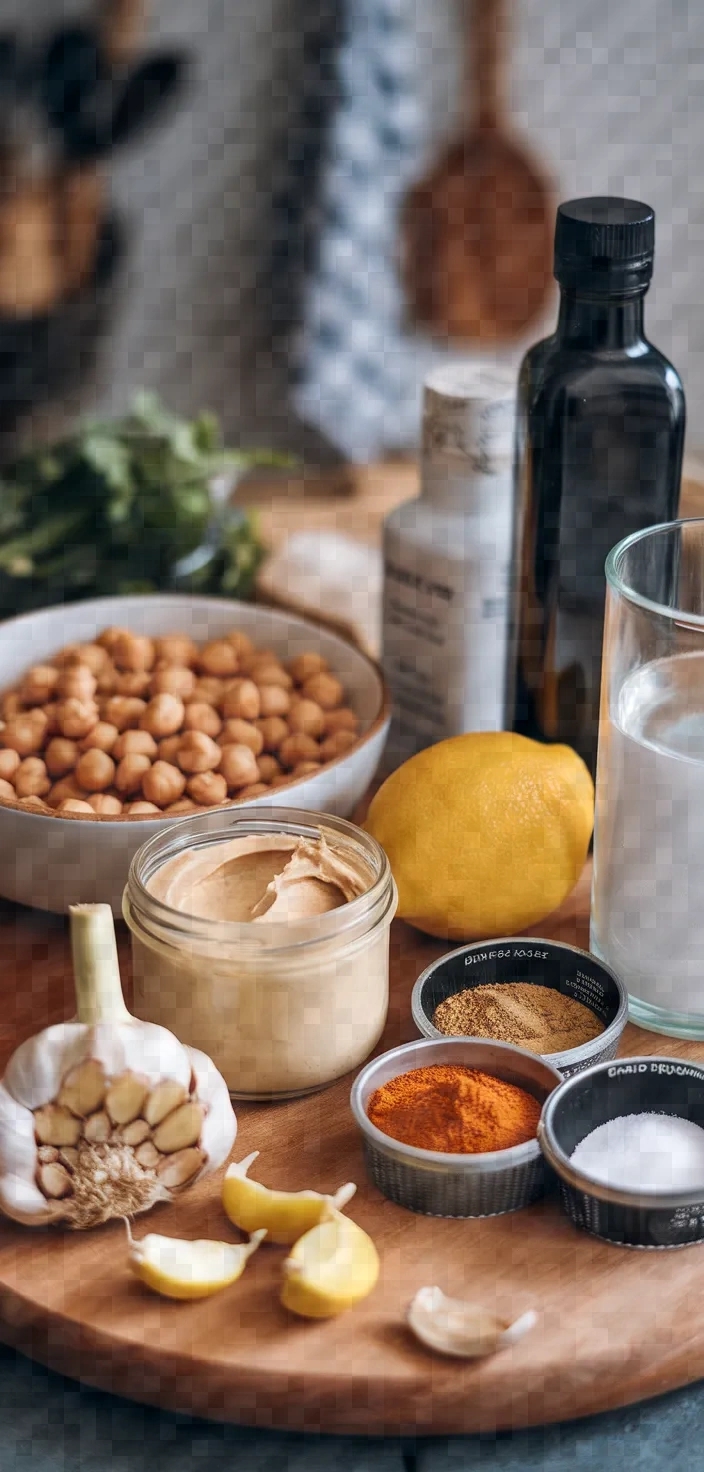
[(261, 936)]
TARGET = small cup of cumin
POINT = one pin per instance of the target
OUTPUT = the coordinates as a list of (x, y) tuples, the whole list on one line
[(475, 1104), (551, 999)]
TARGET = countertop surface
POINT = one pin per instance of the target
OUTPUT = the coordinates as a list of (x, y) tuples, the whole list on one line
[(52, 1424)]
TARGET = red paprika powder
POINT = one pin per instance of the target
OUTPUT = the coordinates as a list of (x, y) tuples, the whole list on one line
[(458, 1110)]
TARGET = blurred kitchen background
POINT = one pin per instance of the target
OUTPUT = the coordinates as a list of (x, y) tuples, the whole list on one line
[(218, 201)]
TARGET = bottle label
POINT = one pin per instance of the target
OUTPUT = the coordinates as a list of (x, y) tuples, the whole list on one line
[(445, 638)]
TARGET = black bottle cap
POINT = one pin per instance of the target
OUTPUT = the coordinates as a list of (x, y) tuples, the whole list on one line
[(604, 243)]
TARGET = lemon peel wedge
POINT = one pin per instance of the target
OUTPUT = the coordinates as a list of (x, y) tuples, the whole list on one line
[(331, 1268), (285, 1215), (177, 1268)]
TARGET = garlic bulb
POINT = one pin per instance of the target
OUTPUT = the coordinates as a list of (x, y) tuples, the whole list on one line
[(104, 1116), (451, 1326)]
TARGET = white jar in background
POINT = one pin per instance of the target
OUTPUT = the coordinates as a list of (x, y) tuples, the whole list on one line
[(447, 566)]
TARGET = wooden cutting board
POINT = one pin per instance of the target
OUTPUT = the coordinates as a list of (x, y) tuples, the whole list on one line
[(614, 1325)]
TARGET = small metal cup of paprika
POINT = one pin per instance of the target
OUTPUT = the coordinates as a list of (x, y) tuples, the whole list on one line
[(437, 1183)]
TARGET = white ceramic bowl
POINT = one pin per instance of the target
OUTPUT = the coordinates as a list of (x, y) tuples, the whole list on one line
[(51, 862)]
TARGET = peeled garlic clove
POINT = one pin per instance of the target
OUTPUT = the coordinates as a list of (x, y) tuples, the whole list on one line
[(286, 1215), (182, 1269), (97, 1128), (177, 1170), (135, 1133), (451, 1326)]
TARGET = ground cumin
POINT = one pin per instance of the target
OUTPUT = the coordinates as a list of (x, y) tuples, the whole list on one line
[(454, 1109), (537, 1018)]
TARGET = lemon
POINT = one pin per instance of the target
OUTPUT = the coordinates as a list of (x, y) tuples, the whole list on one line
[(285, 1215), (485, 833), (331, 1268), (180, 1269)]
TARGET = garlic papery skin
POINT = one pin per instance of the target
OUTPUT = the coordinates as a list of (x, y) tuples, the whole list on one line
[(105, 1115), (452, 1327)]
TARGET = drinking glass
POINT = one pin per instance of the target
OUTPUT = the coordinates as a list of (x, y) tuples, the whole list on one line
[(648, 890)]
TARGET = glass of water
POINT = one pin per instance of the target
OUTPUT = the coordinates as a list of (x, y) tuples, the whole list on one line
[(648, 890)]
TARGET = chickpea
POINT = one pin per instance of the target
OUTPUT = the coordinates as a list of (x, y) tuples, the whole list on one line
[(173, 680), (38, 684), (255, 789), (168, 748), (66, 787), (307, 716), (75, 805), (163, 784), (202, 717), (91, 655), (130, 772), (103, 737), (124, 711), (257, 656), (270, 672), (107, 680), (141, 807), (105, 803), (238, 766), (241, 700), (35, 804), (241, 643), (183, 805), (241, 733), (133, 682), (269, 768), (273, 701), (325, 689), (343, 719), (209, 689), (134, 741), (11, 705), (32, 778), (219, 658), (306, 665), (197, 753), (25, 733), (207, 788), (9, 762), (51, 718), (95, 771), (76, 683), (274, 730), (75, 718), (298, 748), (7, 791), (337, 745), (133, 651), (108, 637), (176, 649), (61, 756), (305, 769), (163, 715)]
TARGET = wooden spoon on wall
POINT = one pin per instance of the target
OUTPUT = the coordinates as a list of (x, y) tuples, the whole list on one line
[(478, 229)]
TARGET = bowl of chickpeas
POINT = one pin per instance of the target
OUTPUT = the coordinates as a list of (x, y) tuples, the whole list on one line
[(118, 715)]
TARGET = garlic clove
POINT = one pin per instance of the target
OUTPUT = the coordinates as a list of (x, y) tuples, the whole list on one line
[(135, 1133), (147, 1155), (220, 1123), (97, 1128), (125, 1097), (162, 1100), (286, 1215), (55, 1126), (179, 1169), (180, 1129), (180, 1269), (453, 1327), (47, 1154), (69, 1158), (83, 1088), (55, 1181)]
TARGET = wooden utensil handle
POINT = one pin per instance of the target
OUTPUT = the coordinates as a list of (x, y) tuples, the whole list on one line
[(487, 37)]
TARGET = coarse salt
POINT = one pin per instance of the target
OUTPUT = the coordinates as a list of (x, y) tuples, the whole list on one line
[(644, 1152)]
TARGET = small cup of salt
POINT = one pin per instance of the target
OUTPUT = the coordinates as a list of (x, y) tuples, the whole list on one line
[(626, 1140)]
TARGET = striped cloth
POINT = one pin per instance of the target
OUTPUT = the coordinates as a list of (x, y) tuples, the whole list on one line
[(356, 380)]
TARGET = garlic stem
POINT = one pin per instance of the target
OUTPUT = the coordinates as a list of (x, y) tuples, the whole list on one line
[(96, 968)]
